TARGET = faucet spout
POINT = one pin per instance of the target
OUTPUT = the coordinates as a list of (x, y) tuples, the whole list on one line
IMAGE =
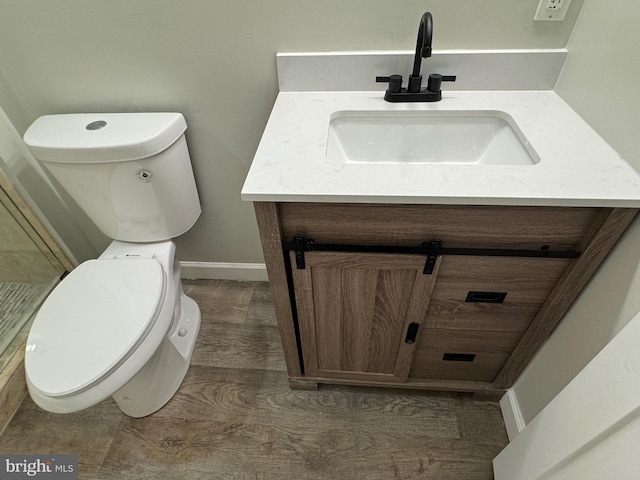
[(423, 43), (423, 50)]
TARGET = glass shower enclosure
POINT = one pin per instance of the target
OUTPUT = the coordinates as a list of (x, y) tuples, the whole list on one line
[(28, 272)]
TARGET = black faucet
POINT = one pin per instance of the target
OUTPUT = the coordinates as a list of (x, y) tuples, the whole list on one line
[(414, 91), (423, 50)]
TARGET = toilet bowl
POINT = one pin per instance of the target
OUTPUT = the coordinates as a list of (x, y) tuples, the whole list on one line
[(120, 325), (116, 326)]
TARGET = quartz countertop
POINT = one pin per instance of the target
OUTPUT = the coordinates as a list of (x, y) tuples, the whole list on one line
[(576, 168)]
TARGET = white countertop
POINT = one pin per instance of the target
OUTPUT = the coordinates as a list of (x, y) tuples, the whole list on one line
[(577, 167)]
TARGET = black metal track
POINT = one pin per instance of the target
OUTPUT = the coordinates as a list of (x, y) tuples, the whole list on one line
[(311, 246)]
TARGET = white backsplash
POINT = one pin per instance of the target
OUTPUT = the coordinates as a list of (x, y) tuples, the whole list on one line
[(475, 69)]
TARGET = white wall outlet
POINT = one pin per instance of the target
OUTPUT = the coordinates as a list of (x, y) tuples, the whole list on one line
[(554, 10)]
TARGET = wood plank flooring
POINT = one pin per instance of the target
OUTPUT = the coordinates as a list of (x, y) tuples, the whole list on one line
[(235, 417)]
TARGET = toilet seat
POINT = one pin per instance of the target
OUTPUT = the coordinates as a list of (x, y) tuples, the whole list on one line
[(92, 322)]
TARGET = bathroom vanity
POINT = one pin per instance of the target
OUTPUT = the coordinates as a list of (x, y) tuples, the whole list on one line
[(359, 299), (446, 272)]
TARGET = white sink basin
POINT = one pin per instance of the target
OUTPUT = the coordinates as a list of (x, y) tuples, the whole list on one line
[(427, 137)]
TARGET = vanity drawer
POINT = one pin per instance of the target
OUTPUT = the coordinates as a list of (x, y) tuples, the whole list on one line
[(501, 294), (461, 355), (478, 311)]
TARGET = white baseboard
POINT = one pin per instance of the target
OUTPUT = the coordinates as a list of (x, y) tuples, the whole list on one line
[(250, 272), (511, 413)]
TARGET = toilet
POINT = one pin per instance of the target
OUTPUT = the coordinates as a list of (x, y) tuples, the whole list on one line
[(120, 325)]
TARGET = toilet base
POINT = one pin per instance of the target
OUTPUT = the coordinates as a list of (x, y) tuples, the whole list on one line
[(160, 378)]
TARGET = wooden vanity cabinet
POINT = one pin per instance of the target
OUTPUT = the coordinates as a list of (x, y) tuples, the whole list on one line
[(425, 296)]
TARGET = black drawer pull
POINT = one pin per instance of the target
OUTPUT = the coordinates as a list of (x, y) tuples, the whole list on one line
[(459, 357), (412, 331), (486, 297)]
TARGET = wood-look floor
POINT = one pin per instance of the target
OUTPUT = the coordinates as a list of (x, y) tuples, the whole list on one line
[(236, 418)]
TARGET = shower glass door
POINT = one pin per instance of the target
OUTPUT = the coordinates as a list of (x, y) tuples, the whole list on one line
[(28, 272)]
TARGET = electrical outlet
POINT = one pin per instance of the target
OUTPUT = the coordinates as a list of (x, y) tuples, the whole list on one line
[(552, 10), (555, 4)]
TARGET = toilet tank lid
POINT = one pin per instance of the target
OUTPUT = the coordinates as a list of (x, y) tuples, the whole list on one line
[(103, 137)]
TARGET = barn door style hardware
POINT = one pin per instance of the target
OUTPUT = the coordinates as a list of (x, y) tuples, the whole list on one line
[(432, 249), (299, 246)]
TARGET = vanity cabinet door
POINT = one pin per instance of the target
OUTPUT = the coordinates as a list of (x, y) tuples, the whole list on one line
[(480, 308), (359, 313)]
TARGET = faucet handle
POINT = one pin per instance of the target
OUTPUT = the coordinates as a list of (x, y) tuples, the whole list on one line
[(395, 82), (435, 80)]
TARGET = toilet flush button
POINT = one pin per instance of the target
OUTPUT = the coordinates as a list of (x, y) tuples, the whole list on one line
[(182, 332), (97, 125)]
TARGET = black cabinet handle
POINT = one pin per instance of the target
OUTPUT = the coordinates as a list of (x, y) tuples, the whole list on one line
[(486, 297), (459, 357), (412, 331)]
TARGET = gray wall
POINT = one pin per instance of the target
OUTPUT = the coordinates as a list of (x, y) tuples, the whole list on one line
[(214, 61), (600, 81)]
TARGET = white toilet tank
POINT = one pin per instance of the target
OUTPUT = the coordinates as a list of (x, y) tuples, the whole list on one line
[(130, 172)]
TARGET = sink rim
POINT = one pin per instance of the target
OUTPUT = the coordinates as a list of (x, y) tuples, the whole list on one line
[(530, 156)]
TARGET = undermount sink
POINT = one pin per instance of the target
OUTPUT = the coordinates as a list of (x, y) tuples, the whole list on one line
[(427, 137)]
